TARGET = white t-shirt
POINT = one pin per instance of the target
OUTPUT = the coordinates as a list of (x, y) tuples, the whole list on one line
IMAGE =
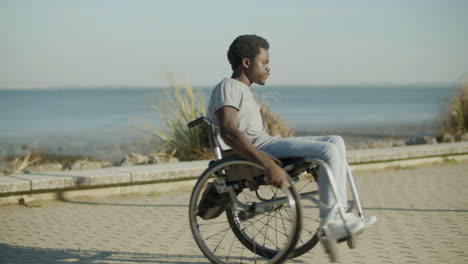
[(230, 92)]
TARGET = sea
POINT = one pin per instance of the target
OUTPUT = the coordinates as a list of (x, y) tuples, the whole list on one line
[(108, 123)]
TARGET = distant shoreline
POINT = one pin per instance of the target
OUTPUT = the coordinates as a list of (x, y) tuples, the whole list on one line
[(114, 147), (105, 123), (34, 160)]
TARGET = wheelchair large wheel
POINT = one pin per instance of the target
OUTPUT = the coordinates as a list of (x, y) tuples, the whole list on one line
[(306, 186), (276, 226)]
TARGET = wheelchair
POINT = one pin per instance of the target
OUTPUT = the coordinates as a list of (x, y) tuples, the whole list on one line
[(236, 217)]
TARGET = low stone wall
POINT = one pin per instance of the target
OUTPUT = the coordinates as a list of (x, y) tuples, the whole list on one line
[(17, 186)]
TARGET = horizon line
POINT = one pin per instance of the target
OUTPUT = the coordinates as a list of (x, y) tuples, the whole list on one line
[(64, 87)]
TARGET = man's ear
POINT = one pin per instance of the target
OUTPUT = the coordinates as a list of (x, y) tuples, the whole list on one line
[(246, 63)]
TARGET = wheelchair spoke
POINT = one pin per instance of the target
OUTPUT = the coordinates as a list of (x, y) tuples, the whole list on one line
[(266, 229), (265, 236), (276, 233), (305, 185), (309, 232), (265, 224), (256, 221), (230, 249), (289, 216), (312, 219), (218, 233), (259, 231), (221, 240), (250, 195), (274, 191), (282, 221)]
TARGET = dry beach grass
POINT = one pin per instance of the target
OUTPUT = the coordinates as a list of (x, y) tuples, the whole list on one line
[(455, 121)]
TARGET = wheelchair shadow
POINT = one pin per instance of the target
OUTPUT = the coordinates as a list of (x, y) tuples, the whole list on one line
[(60, 197), (403, 209), (415, 210), (63, 199), (23, 255)]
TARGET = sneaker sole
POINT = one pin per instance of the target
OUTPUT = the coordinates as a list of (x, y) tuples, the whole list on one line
[(355, 234)]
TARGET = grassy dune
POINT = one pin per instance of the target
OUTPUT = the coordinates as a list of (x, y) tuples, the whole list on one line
[(455, 121)]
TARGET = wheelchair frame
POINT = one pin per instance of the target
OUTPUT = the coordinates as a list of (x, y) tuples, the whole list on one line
[(296, 166)]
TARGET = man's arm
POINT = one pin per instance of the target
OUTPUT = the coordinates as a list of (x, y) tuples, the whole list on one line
[(227, 119)]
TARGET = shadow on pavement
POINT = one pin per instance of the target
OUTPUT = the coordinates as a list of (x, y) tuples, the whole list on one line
[(416, 210), (10, 254), (61, 198)]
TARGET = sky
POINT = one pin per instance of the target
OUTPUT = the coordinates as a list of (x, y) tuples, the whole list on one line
[(113, 43)]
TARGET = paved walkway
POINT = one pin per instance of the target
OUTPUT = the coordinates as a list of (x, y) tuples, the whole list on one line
[(423, 218)]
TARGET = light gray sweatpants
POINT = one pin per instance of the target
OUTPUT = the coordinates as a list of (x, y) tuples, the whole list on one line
[(330, 149)]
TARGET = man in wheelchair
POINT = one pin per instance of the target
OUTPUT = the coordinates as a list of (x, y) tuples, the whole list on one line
[(233, 108)]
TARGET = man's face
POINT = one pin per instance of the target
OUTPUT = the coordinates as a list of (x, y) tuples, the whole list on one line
[(259, 70)]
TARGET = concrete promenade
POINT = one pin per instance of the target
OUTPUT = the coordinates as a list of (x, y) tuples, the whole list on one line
[(422, 212)]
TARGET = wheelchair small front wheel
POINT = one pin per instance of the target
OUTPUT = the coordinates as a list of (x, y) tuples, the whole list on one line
[(351, 243), (261, 236)]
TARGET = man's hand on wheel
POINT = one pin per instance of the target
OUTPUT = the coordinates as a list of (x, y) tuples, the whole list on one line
[(276, 176)]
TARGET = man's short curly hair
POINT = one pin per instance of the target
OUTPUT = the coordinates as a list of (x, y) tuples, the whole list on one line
[(245, 46)]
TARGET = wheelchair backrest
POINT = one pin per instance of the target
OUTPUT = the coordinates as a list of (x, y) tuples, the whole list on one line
[(208, 135)]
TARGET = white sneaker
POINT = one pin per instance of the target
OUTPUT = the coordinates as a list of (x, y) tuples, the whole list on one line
[(338, 230)]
